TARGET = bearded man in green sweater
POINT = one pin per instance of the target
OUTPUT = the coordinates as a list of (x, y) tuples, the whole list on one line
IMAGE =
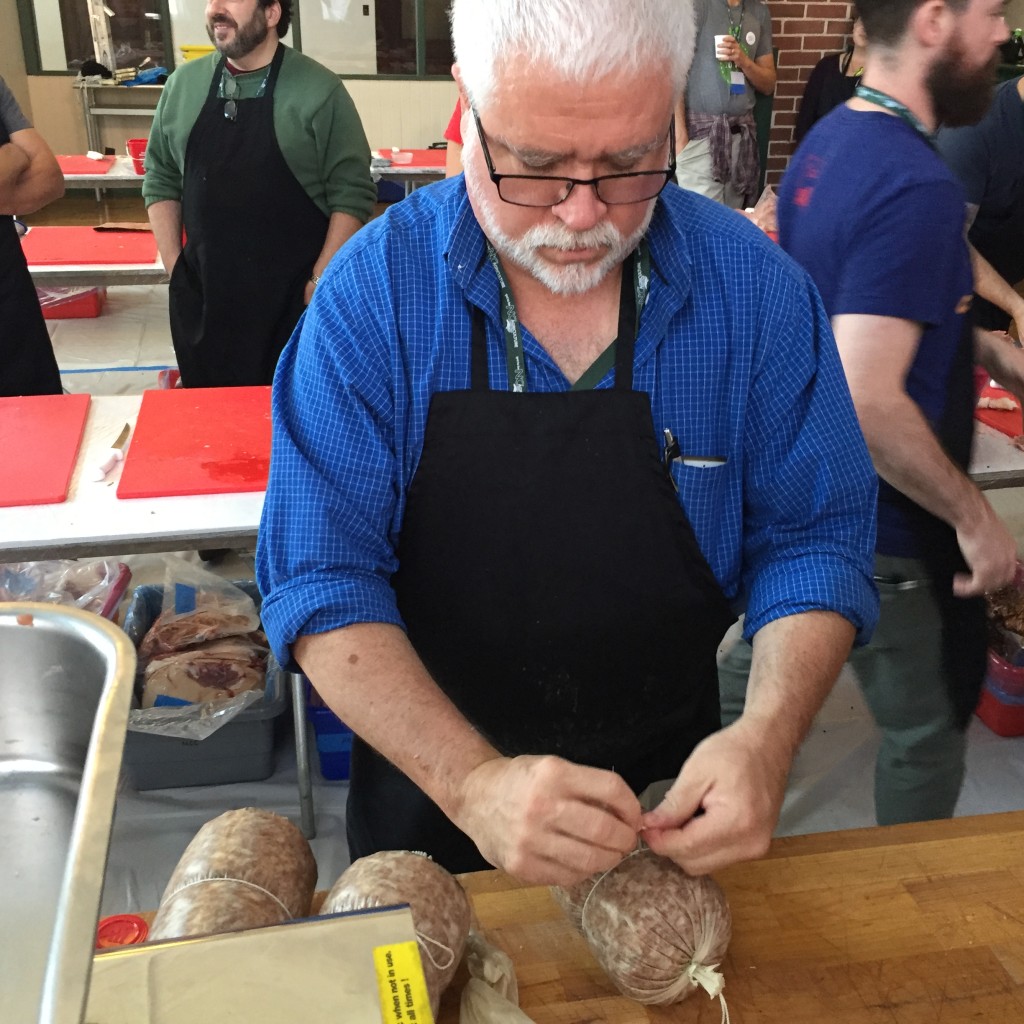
[(258, 152)]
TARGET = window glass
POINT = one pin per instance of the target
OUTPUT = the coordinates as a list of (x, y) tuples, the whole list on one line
[(136, 33)]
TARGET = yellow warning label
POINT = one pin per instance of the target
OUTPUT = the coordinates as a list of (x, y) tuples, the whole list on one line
[(403, 992)]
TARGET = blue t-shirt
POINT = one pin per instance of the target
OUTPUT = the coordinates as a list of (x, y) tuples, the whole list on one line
[(988, 159), (876, 217), (734, 350)]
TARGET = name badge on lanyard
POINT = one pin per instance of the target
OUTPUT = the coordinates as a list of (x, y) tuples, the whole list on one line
[(737, 83)]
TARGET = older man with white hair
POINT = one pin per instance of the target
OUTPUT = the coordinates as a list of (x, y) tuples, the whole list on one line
[(533, 448)]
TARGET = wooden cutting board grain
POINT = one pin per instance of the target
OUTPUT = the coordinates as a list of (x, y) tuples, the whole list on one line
[(914, 924), (911, 924)]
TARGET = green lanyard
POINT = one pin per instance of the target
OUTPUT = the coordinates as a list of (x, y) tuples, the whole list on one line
[(881, 99), (514, 357)]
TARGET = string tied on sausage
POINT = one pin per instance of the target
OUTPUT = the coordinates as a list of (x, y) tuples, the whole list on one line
[(238, 881), (707, 977), (425, 940)]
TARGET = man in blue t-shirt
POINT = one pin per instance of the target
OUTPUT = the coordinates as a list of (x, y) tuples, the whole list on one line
[(873, 213), (988, 158)]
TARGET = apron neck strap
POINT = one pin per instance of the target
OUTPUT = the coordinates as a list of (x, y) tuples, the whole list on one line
[(269, 79), (636, 284)]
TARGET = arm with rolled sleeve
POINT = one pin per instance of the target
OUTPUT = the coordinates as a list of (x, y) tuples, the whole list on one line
[(808, 516), (349, 191)]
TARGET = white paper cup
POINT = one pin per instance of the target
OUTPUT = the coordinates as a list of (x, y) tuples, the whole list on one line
[(719, 43)]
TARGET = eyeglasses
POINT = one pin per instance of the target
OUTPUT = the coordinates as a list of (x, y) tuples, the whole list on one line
[(229, 87), (611, 189)]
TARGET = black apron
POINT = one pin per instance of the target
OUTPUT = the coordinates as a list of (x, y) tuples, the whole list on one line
[(27, 363), (554, 589), (964, 632), (252, 237)]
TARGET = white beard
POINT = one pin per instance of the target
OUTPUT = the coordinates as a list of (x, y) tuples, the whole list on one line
[(570, 279)]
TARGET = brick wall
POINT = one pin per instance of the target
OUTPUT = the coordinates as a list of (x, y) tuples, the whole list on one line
[(803, 31)]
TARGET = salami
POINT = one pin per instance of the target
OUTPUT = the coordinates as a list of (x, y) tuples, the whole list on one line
[(243, 869), (657, 932), (440, 908)]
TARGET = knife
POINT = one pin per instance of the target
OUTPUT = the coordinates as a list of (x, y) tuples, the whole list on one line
[(114, 456)]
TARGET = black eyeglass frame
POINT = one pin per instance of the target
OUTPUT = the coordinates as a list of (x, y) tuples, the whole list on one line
[(668, 174)]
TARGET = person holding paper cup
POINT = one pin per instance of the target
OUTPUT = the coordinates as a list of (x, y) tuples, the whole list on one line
[(732, 62)]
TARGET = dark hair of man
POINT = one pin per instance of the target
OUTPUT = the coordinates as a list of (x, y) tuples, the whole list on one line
[(885, 21), (286, 14)]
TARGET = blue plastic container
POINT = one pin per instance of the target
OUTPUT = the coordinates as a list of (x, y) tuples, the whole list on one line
[(333, 737)]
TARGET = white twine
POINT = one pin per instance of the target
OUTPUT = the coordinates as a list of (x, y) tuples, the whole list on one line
[(440, 945), (586, 902), (238, 881), (708, 978)]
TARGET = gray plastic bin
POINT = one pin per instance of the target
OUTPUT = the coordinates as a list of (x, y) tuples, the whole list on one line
[(241, 751)]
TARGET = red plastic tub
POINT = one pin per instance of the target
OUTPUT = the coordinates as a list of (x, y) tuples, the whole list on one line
[(1004, 719), (71, 303), (1007, 678), (137, 151)]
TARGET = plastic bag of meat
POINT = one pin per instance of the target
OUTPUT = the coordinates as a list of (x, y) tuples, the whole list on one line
[(198, 606), (243, 869), (439, 905), (657, 932), (96, 585), (217, 670)]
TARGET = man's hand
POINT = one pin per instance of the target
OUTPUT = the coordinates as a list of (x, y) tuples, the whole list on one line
[(738, 784), (549, 821), (990, 552)]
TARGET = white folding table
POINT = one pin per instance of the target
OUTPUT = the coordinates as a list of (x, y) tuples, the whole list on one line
[(94, 521)]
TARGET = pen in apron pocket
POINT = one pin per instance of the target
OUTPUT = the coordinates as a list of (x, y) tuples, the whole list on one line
[(673, 454)]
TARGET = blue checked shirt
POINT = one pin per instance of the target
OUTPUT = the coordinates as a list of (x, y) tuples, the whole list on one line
[(734, 349)]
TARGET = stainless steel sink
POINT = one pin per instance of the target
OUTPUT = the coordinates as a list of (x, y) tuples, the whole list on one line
[(65, 687)]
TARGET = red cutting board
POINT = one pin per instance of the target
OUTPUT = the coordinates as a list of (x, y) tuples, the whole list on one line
[(1008, 422), (198, 441), (84, 165), (420, 158), (61, 246), (39, 440)]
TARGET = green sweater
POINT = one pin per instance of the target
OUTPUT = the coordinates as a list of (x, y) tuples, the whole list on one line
[(317, 126)]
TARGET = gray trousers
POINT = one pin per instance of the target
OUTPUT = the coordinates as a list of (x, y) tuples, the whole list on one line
[(920, 765)]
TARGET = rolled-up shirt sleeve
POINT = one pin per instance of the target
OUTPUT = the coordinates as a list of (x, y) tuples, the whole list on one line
[(810, 490), (326, 548)]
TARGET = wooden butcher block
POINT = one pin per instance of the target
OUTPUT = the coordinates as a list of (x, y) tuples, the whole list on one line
[(913, 924)]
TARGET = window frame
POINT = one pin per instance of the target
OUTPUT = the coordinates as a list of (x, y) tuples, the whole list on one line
[(33, 58)]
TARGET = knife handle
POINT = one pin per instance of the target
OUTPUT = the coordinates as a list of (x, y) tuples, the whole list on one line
[(114, 456)]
